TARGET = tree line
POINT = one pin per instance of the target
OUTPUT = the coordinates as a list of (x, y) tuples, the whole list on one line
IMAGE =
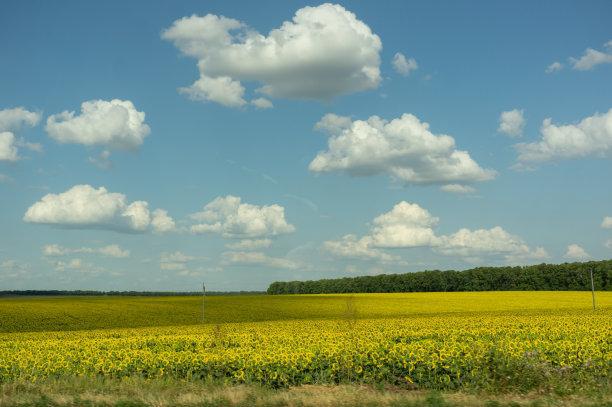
[(541, 277), (26, 293)]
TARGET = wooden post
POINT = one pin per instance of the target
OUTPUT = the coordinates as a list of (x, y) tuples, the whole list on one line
[(203, 298), (592, 288)]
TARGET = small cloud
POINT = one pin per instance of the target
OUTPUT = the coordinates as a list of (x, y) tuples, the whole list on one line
[(576, 252), (458, 189), (554, 67), (512, 123), (607, 222), (262, 103), (403, 65)]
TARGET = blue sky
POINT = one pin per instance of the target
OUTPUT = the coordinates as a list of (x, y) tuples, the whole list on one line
[(526, 192)]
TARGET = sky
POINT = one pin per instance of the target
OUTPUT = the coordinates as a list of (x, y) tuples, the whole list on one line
[(151, 145)]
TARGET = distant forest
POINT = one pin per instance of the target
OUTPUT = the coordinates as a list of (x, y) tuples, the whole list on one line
[(14, 293), (541, 277)]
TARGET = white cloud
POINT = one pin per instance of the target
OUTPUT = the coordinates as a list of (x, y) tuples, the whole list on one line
[(591, 136), (608, 243), (249, 244), (512, 123), (176, 261), (323, 52), (112, 250), (258, 259), (115, 124), (352, 247), (592, 57), (606, 223), (8, 147), (231, 218), (471, 243), (458, 189), (554, 67), (262, 103), (222, 90), (85, 207), (402, 65), (575, 252), (162, 222), (403, 148), (333, 124), (14, 119), (408, 225), (5, 178)]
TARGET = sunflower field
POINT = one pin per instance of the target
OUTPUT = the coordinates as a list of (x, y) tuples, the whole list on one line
[(511, 349)]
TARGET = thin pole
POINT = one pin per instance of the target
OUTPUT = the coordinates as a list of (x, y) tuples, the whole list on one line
[(592, 288), (203, 297)]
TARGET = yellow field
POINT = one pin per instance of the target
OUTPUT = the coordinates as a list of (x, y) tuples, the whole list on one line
[(437, 340)]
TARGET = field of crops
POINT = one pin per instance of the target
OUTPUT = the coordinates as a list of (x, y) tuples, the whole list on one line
[(514, 341)]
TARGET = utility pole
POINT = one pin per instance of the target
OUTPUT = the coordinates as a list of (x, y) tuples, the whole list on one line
[(203, 298), (592, 288)]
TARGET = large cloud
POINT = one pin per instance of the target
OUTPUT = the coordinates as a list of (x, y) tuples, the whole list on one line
[(323, 52), (591, 136), (408, 225), (85, 207), (115, 124), (13, 119), (232, 218), (404, 148)]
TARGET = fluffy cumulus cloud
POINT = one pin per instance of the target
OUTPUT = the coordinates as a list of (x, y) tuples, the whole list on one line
[(257, 259), (15, 118), (114, 124), (576, 252), (86, 207), (231, 218), (592, 136), (323, 52), (407, 225), (606, 223), (403, 65), (511, 123), (404, 148), (474, 243), (113, 250), (353, 247), (592, 57)]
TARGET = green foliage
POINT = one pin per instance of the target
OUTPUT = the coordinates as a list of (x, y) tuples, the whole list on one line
[(542, 277)]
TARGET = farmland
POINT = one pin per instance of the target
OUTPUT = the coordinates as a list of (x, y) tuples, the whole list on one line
[(472, 342)]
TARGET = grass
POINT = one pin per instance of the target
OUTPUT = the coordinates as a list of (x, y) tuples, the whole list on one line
[(159, 393), (18, 314)]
